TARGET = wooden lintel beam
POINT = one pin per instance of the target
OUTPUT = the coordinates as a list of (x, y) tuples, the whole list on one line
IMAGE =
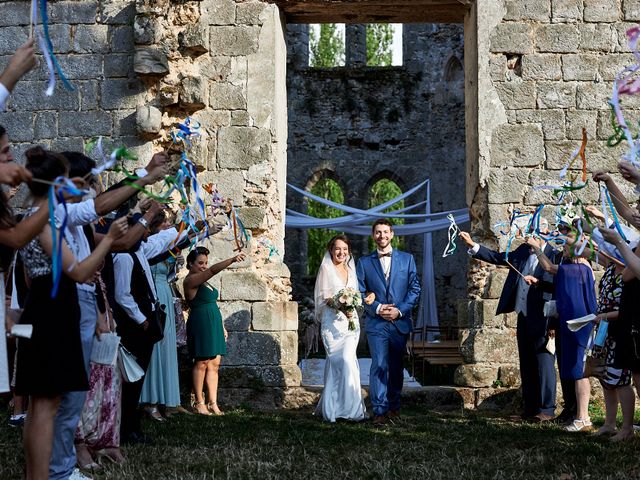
[(373, 11)]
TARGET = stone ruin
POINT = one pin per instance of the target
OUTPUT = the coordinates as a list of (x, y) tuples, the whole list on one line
[(535, 73)]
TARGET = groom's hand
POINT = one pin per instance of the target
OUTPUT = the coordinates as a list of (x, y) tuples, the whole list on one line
[(389, 312)]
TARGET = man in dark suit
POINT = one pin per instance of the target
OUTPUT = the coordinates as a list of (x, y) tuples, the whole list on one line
[(525, 291), (392, 276)]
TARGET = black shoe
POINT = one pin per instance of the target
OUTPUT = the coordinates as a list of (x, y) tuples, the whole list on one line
[(137, 438)]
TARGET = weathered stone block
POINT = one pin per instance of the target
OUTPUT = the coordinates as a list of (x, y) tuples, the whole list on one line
[(593, 96), (506, 186), (122, 93), (219, 12), (493, 288), (91, 39), (80, 12), (193, 93), (489, 345), (231, 182), (538, 10), (122, 39), (580, 67), (556, 94), (234, 41), (225, 96), (612, 64), (578, 119), (240, 118), (509, 376), (597, 37), (552, 121), (284, 376), (236, 315), (124, 122), (250, 13), (195, 39), (517, 95), (275, 316), (217, 68), (512, 38), (86, 124), (601, 11), (557, 38), (243, 286), (475, 375), (19, 126), (14, 13), (253, 348), (148, 119), (484, 313), (252, 217), (511, 320), (150, 61), (541, 67), (78, 67), (13, 38), (517, 145), (503, 400), (465, 315), (242, 147), (146, 30), (89, 93), (118, 65), (631, 10), (45, 126), (566, 11), (622, 42)]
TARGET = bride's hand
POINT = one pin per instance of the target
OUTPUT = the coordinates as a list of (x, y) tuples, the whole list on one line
[(348, 313)]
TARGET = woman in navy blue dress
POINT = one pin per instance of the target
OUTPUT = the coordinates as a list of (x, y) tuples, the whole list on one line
[(575, 298)]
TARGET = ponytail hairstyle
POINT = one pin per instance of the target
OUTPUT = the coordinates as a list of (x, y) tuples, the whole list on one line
[(45, 165)]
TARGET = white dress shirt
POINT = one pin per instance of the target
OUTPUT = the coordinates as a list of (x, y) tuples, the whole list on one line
[(123, 268), (385, 263)]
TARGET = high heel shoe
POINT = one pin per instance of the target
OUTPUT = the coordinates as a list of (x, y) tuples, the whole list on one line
[(113, 455), (213, 408), (199, 407), (154, 414)]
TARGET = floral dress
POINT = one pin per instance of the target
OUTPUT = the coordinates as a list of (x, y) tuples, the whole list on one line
[(609, 301)]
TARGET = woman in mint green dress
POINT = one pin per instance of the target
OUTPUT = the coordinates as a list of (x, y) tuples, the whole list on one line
[(206, 335)]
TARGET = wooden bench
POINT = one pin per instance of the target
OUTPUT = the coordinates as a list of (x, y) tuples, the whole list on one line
[(446, 352)]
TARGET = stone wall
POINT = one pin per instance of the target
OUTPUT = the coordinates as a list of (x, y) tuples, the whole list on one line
[(544, 71), (138, 68), (358, 124)]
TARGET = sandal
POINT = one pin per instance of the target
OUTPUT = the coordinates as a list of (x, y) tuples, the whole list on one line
[(579, 426), (199, 407), (112, 454), (213, 408)]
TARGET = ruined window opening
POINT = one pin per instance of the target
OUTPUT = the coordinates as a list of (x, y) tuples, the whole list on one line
[(454, 71), (384, 44), (317, 238), (380, 192), (327, 45)]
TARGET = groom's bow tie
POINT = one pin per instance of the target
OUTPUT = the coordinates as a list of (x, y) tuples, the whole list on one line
[(380, 255)]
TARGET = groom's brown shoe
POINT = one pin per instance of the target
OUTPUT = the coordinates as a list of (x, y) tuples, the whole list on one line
[(393, 414), (379, 420)]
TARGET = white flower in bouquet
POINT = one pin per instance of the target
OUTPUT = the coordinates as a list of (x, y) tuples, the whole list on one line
[(347, 300)]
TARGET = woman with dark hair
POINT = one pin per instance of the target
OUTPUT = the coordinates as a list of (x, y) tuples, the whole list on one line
[(51, 362), (342, 394), (206, 335)]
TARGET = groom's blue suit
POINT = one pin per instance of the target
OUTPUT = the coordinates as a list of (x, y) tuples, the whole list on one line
[(388, 340)]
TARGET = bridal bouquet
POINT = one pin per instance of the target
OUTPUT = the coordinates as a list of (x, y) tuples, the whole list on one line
[(347, 300)]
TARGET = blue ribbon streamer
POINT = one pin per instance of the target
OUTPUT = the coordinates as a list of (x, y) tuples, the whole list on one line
[(49, 45)]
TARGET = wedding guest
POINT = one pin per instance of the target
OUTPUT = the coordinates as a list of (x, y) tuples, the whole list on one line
[(51, 362), (575, 298), (206, 334), (135, 308), (79, 235), (161, 385), (524, 294)]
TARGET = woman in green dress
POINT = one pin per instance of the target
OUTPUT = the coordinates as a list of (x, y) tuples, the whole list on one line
[(206, 335)]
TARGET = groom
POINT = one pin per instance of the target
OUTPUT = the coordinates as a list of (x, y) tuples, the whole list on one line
[(391, 275)]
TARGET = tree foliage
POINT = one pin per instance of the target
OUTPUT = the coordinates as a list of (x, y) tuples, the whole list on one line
[(326, 48), (379, 44), (317, 238), (382, 191)]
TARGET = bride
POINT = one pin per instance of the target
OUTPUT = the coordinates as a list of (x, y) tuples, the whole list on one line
[(342, 395)]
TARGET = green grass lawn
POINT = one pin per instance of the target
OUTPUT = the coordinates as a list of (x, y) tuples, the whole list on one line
[(296, 445)]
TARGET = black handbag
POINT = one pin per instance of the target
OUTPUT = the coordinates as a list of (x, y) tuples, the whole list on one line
[(158, 317)]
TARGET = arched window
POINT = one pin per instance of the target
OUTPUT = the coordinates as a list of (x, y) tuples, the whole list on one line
[(317, 238), (454, 71), (380, 192)]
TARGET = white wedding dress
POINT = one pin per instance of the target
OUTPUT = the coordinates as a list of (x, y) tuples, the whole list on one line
[(342, 394)]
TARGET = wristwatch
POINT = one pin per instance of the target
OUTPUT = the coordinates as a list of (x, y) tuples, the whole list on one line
[(143, 221)]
